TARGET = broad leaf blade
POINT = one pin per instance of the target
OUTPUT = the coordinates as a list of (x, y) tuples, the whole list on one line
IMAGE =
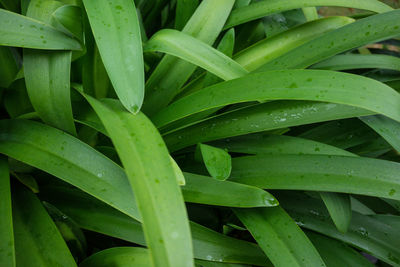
[(47, 75), (152, 178), (21, 31), (116, 29), (194, 51), (344, 174), (316, 85), (69, 159), (258, 118)]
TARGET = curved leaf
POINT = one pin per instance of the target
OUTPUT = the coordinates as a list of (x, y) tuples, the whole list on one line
[(21, 31), (194, 51), (117, 33), (279, 237), (264, 8), (171, 73), (207, 244), (356, 61), (69, 159), (152, 178), (270, 48), (354, 175), (368, 30), (47, 75), (205, 190), (318, 85), (258, 118), (217, 161), (119, 257)]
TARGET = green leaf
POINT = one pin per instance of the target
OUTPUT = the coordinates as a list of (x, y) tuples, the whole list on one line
[(205, 190), (207, 244), (344, 174), (194, 51), (172, 73), (180, 178), (119, 257), (47, 76), (259, 144), (152, 178), (218, 162), (37, 240), (318, 85), (116, 29), (364, 31), (385, 127), (184, 9), (258, 118), (69, 18), (373, 236), (8, 67), (270, 48), (263, 8), (338, 205), (7, 250), (335, 253), (279, 237), (339, 208), (69, 159), (356, 61), (21, 31)]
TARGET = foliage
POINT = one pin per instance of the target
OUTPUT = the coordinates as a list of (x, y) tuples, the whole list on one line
[(177, 133)]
